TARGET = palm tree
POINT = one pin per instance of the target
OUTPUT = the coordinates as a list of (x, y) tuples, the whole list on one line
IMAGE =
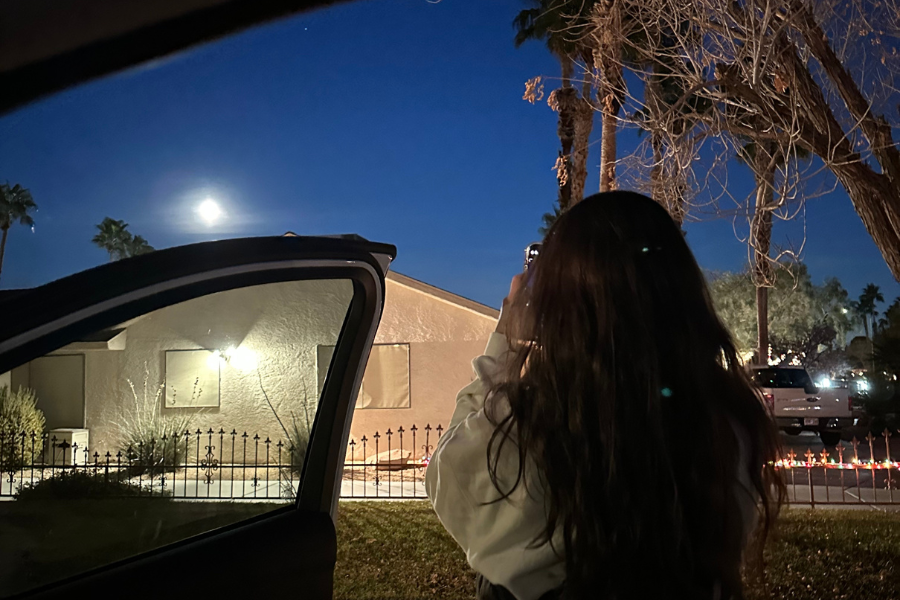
[(561, 25), (114, 237), (137, 246), (548, 219), (16, 204), (865, 306)]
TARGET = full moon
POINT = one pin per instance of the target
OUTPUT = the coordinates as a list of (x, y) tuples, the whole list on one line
[(209, 211)]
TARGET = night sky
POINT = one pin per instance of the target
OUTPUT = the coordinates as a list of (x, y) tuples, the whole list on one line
[(400, 120)]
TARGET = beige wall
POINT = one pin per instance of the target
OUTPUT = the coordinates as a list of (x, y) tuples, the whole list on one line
[(284, 323), (281, 323), (443, 339)]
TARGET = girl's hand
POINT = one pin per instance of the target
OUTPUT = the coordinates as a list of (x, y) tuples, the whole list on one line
[(514, 286)]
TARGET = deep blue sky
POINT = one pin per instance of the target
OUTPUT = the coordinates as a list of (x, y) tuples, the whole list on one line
[(400, 120)]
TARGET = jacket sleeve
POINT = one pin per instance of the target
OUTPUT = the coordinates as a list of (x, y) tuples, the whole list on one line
[(457, 480)]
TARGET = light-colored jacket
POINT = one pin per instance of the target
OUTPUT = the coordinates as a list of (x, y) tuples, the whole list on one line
[(497, 535)]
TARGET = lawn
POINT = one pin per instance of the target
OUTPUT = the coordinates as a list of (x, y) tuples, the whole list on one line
[(398, 550)]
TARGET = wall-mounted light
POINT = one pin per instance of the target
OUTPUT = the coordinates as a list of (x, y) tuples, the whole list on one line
[(241, 358)]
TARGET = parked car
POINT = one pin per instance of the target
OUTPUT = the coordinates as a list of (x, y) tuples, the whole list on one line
[(797, 404)]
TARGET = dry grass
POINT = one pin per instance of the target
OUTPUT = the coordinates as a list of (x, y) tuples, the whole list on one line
[(398, 550)]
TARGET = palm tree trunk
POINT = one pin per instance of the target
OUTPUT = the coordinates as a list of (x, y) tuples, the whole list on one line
[(610, 105), (3, 246), (565, 98), (584, 123), (761, 240), (865, 321), (607, 57)]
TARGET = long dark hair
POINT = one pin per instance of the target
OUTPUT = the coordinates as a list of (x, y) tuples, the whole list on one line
[(629, 401)]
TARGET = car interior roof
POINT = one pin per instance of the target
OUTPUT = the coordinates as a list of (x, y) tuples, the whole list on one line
[(49, 45)]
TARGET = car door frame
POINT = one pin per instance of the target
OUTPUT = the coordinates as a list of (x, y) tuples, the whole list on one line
[(142, 284)]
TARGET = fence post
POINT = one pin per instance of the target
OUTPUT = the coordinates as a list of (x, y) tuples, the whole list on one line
[(365, 474), (255, 463), (267, 442), (824, 456), (840, 449), (352, 467), (376, 437), (871, 439), (389, 466), (402, 458), (221, 445), (888, 464), (810, 460)]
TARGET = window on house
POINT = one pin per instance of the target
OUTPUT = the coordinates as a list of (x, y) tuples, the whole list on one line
[(58, 384), (386, 380)]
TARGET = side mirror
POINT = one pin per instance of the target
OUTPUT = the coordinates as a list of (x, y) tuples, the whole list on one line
[(811, 388)]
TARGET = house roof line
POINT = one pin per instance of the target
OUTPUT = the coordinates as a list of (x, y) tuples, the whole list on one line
[(448, 297)]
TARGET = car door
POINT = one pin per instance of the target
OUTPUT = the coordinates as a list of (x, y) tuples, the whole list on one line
[(219, 340)]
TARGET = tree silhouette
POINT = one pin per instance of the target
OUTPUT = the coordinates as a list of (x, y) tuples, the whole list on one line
[(16, 206), (114, 237)]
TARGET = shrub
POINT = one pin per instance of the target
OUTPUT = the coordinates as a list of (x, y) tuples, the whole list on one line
[(149, 440), (294, 453), (82, 485), (298, 432), (19, 414)]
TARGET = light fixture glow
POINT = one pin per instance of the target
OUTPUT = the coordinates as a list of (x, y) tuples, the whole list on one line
[(209, 211), (214, 360), (241, 358), (825, 382)]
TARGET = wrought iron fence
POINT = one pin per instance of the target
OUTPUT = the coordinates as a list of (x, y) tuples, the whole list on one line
[(843, 476), (220, 465), (391, 465), (216, 465), (189, 465)]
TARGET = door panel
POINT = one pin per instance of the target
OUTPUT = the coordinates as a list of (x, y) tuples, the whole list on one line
[(209, 444), (290, 552)]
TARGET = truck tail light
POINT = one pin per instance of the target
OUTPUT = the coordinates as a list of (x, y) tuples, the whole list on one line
[(850, 403), (770, 401)]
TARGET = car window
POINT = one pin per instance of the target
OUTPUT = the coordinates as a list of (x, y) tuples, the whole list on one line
[(781, 378), (171, 424)]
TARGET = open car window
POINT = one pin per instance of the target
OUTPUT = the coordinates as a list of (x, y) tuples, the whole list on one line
[(140, 417)]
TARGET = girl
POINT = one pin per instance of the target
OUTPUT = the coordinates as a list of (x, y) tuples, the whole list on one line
[(611, 445)]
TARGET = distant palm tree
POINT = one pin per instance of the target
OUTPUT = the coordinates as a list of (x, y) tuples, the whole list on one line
[(137, 246), (16, 204), (548, 219), (113, 236), (865, 306)]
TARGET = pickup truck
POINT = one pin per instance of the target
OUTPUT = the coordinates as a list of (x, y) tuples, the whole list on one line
[(798, 405)]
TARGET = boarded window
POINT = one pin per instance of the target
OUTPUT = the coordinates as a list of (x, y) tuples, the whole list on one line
[(385, 383), (58, 383)]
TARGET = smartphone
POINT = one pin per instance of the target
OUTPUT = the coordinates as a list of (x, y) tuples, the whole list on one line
[(531, 253)]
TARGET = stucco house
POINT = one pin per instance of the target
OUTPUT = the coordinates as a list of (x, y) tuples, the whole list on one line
[(261, 351)]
